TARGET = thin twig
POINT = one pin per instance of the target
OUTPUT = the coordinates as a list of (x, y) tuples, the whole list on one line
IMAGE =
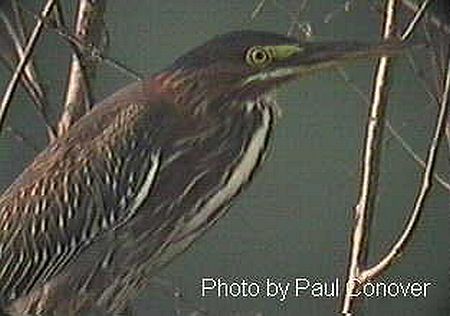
[(399, 246), (392, 130), (433, 52), (89, 28), (257, 10), (438, 57), (435, 21), (417, 17), (7, 97), (15, 33), (416, 157), (370, 168), (90, 52), (121, 67), (423, 81)]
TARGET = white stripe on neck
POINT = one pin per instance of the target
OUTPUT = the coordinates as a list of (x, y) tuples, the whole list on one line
[(240, 175)]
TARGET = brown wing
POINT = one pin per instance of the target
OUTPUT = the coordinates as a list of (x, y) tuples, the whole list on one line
[(86, 182)]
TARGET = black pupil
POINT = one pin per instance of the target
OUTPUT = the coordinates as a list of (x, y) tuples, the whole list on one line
[(259, 56)]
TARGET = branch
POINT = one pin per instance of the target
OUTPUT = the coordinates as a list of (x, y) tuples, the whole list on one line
[(398, 248), (370, 168), (11, 88), (435, 21), (91, 52), (15, 33), (358, 275), (394, 132), (444, 183), (417, 17), (444, 28), (88, 32)]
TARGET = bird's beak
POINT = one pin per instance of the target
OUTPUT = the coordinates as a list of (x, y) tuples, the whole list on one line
[(295, 60), (313, 56)]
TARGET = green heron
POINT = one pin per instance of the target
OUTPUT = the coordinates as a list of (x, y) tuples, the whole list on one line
[(146, 172)]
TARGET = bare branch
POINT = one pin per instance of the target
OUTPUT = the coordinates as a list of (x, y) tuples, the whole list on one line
[(13, 36), (12, 45), (370, 168), (414, 8), (93, 53), (7, 97), (415, 156), (89, 30), (120, 67), (394, 132), (257, 9), (444, 30), (398, 248), (417, 16)]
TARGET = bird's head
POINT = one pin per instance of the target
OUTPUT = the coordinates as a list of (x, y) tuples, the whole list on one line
[(250, 63)]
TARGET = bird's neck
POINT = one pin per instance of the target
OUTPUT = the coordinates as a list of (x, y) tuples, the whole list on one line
[(197, 95)]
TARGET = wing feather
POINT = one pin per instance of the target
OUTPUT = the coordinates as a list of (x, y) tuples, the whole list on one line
[(87, 182)]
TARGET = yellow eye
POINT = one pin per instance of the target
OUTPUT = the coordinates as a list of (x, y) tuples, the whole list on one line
[(258, 56)]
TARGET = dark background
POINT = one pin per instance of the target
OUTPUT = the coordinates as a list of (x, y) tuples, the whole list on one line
[(294, 221)]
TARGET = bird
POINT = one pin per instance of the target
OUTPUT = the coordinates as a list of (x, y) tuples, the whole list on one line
[(147, 171)]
